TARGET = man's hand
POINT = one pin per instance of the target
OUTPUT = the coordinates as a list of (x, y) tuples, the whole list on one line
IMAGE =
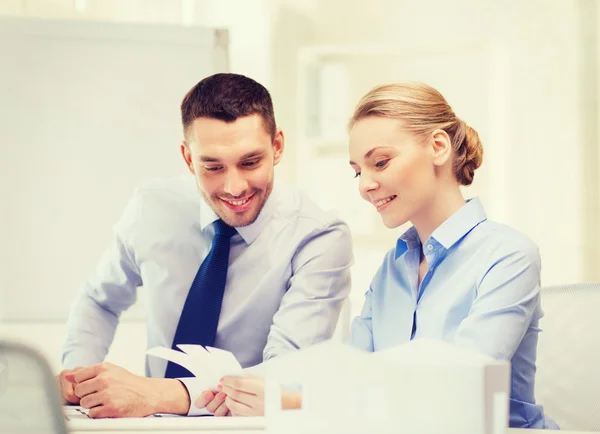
[(213, 401), (110, 391), (66, 387)]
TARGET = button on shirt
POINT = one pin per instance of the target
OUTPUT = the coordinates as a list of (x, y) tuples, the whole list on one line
[(481, 291), (287, 278)]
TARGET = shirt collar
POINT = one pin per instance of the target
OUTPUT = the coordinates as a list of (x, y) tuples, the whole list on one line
[(448, 233), (460, 223), (248, 233)]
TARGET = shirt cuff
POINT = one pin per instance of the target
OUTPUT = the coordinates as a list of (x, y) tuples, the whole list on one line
[(80, 358), (195, 387)]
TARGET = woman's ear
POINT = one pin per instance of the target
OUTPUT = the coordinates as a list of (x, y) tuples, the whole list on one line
[(441, 147)]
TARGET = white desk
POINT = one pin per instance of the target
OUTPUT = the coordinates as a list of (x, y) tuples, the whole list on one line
[(197, 432), (253, 431)]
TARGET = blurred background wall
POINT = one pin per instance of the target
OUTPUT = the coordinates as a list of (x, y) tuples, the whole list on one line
[(524, 74)]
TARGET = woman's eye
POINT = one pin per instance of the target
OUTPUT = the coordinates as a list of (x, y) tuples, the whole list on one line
[(357, 174), (381, 163)]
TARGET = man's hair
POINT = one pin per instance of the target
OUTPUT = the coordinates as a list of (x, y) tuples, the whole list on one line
[(227, 97)]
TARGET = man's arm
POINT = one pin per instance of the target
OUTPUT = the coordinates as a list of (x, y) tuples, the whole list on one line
[(361, 332), (310, 309), (320, 282), (94, 314)]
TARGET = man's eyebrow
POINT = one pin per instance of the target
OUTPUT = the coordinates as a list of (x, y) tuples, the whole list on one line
[(252, 155), (206, 159)]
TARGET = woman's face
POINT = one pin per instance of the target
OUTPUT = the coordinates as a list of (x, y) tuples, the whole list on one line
[(396, 169)]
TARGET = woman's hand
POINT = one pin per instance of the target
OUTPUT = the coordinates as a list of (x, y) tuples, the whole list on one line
[(246, 396)]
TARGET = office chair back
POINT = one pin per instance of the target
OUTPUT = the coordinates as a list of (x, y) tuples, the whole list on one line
[(568, 376)]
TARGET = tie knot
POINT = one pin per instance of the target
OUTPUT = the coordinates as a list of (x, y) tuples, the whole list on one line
[(223, 229)]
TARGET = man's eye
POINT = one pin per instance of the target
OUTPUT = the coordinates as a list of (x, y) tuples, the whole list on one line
[(212, 169), (357, 174), (250, 163), (381, 163)]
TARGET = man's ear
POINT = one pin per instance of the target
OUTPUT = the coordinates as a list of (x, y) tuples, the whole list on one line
[(278, 145), (441, 147), (187, 157)]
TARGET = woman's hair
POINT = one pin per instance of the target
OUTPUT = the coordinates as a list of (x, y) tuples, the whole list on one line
[(422, 109)]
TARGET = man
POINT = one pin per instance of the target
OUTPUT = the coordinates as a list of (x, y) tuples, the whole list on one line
[(227, 258)]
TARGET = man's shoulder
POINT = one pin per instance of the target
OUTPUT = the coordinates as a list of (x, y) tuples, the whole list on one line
[(177, 186), (163, 201), (307, 230), (170, 192), (294, 205)]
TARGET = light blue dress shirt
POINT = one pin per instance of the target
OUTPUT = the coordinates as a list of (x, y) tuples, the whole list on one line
[(287, 278), (481, 291)]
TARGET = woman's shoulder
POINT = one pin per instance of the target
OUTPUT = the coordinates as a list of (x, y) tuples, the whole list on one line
[(504, 240)]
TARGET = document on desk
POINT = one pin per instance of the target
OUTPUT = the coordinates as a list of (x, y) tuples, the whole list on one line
[(209, 364)]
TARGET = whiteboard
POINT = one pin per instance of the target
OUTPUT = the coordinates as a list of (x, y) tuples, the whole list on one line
[(87, 111)]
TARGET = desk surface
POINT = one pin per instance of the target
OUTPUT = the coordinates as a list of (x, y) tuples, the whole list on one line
[(253, 431)]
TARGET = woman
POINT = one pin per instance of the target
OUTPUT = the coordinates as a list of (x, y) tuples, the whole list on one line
[(454, 275)]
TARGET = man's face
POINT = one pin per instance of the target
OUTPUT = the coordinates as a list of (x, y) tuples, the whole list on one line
[(233, 164)]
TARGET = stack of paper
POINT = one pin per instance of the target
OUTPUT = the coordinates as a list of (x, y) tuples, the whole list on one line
[(209, 364)]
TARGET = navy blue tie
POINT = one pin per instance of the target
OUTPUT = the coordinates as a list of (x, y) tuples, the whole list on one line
[(200, 315)]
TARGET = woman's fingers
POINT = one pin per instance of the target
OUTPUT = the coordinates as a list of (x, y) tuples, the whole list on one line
[(241, 409), (249, 384)]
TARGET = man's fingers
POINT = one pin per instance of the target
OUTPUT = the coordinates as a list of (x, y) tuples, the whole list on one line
[(92, 400), (66, 388), (206, 397), (68, 393), (100, 411), (84, 374), (95, 412), (71, 398), (88, 386), (69, 377)]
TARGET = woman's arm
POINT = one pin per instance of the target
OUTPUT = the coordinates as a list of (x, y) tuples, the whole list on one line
[(507, 300)]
